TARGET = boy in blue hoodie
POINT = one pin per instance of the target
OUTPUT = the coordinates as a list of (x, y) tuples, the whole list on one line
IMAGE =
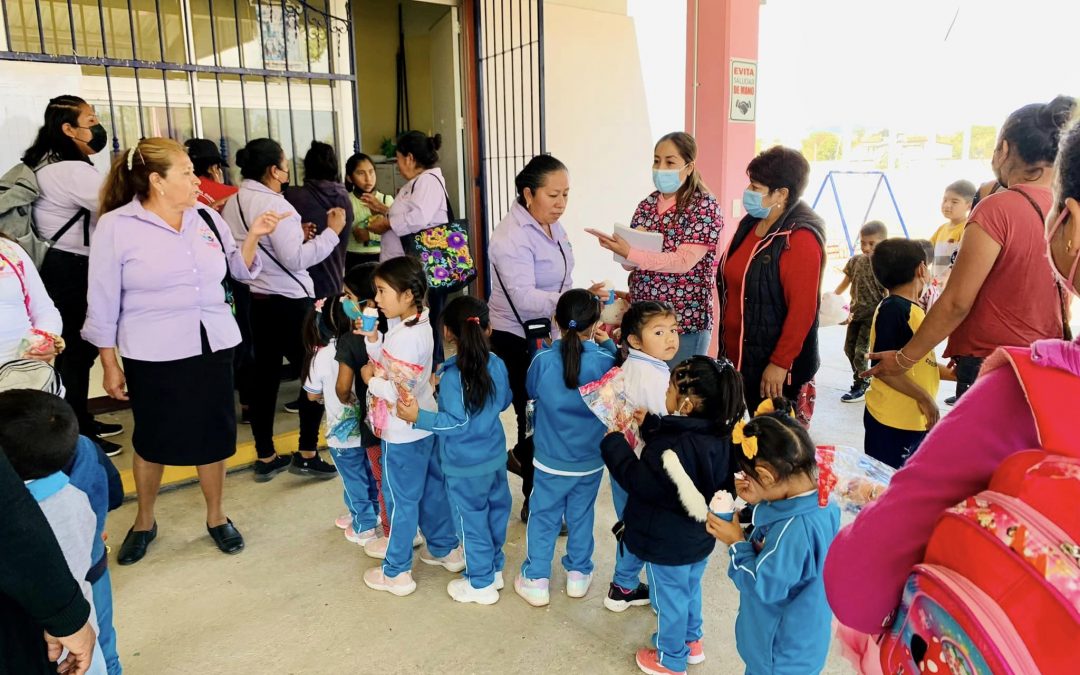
[(784, 623), (473, 390), (567, 458)]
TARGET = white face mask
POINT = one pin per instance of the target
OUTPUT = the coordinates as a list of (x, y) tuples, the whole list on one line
[(1067, 280)]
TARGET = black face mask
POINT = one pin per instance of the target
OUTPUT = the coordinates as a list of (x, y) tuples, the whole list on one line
[(99, 138)]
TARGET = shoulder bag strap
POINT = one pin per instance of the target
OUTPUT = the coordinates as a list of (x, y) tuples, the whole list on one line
[(1066, 330), (507, 294), (262, 248), (82, 214)]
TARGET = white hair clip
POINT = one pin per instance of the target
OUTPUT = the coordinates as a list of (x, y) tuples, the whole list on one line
[(131, 158)]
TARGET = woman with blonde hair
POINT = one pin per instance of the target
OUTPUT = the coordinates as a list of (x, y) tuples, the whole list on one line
[(159, 267)]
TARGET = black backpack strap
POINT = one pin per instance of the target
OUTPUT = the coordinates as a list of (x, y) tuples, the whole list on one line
[(82, 214), (262, 248), (507, 294)]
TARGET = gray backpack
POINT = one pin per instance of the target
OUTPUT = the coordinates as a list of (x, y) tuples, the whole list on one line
[(18, 191)]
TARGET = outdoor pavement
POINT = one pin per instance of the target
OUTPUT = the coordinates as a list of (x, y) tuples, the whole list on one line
[(294, 601)]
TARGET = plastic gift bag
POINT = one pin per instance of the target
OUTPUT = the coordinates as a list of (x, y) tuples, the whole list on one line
[(405, 376), (834, 309), (849, 477), (607, 399)]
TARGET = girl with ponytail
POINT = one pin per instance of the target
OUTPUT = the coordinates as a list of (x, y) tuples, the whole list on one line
[(567, 440), (473, 390)]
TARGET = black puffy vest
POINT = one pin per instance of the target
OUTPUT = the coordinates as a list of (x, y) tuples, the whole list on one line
[(764, 305)]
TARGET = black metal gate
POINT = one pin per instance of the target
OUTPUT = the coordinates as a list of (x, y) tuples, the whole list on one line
[(510, 97), (230, 70)]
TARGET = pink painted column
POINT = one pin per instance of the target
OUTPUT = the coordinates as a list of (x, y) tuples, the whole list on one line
[(717, 32)]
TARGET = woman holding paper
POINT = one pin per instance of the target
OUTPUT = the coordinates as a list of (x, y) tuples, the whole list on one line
[(679, 271), (531, 265)]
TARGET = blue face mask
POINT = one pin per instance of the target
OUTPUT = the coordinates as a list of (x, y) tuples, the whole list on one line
[(667, 181), (751, 201), (352, 309)]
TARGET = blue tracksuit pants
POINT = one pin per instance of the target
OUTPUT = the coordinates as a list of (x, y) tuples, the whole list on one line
[(627, 565), (481, 512), (553, 497), (354, 469), (675, 593), (415, 491), (103, 606)]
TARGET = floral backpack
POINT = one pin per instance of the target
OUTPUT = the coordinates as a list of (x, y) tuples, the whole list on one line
[(998, 590)]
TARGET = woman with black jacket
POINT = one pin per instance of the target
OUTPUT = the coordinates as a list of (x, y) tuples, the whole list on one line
[(686, 459)]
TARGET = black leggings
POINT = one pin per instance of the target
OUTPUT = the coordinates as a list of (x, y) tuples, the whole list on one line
[(514, 352), (276, 324), (65, 277)]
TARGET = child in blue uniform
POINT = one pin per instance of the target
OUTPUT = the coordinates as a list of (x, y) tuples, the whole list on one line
[(473, 390), (567, 457), (784, 621), (686, 459)]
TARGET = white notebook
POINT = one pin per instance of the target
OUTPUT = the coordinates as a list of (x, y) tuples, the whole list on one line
[(653, 242)]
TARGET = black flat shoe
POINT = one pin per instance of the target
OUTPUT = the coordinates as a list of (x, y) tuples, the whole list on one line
[(135, 544), (227, 537)]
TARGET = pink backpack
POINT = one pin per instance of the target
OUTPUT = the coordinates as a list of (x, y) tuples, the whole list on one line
[(998, 590)]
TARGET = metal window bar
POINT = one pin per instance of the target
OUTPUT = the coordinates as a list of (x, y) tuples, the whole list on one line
[(510, 97), (294, 13)]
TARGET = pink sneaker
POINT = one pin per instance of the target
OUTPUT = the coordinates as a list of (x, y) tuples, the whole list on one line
[(533, 591), (343, 522), (401, 585), (577, 584), (454, 561), (649, 662), (697, 653), (361, 538), (376, 548)]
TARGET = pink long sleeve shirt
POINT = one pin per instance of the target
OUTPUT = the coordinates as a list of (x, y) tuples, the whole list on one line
[(872, 557)]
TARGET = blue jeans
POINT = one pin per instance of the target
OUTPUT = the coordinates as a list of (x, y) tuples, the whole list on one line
[(354, 469), (552, 497), (415, 491), (675, 593), (102, 590), (481, 512), (691, 344), (627, 565)]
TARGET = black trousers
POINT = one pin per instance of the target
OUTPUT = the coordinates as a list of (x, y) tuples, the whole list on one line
[(354, 259), (887, 444), (514, 351), (967, 369), (436, 302), (276, 324), (65, 277)]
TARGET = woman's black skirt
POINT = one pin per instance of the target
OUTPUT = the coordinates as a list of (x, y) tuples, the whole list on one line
[(184, 411)]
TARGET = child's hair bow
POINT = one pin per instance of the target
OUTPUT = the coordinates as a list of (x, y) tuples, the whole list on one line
[(748, 443)]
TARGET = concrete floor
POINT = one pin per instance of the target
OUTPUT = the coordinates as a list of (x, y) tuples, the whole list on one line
[(294, 602)]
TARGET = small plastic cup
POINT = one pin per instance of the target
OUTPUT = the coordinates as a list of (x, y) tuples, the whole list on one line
[(368, 322), (610, 298), (725, 516)]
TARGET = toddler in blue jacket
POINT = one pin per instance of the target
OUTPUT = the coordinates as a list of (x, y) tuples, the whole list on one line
[(473, 389), (567, 457), (784, 621)]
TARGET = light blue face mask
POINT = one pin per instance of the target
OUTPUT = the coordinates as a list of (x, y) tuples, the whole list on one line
[(667, 181), (352, 309), (751, 201)]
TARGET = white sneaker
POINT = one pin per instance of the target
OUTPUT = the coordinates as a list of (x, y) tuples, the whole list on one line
[(577, 584), (454, 561), (341, 522), (533, 591), (361, 538), (401, 585), (376, 548), (462, 591), (499, 585)]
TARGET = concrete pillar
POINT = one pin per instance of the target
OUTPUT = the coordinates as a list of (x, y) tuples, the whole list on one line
[(717, 32)]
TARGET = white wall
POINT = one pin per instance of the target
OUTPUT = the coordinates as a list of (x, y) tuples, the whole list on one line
[(598, 124), (661, 35)]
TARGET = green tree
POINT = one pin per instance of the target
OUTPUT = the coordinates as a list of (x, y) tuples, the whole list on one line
[(821, 146), (983, 140)]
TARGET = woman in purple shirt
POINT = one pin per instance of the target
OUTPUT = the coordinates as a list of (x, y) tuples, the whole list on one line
[(281, 297), (419, 204), (532, 264), (156, 295), (66, 212)]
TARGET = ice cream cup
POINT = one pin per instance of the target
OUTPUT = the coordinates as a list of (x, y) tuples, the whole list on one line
[(369, 320)]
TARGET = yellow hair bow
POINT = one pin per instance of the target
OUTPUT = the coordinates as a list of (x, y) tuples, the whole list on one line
[(748, 443), (765, 408)]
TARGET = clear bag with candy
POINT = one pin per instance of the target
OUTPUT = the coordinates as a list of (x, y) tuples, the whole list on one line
[(607, 399), (405, 376), (851, 479)]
